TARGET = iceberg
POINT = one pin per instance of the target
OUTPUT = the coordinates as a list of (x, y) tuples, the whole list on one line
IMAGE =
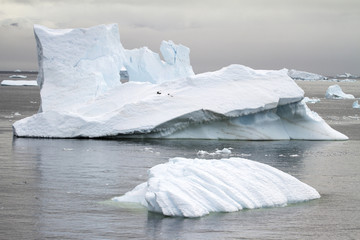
[(356, 104), (346, 75), (82, 95), (17, 76), (335, 92), (19, 83), (194, 187), (311, 100), (301, 75), (143, 65)]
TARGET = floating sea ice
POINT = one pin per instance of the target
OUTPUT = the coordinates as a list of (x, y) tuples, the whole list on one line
[(224, 151), (194, 187), (335, 92), (311, 100), (346, 75), (356, 104), (301, 75), (17, 76), (19, 83)]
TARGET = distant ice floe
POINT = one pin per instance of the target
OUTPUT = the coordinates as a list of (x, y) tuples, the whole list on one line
[(346, 75), (82, 95), (194, 187), (311, 100), (335, 92), (17, 76), (19, 83), (301, 75), (356, 104)]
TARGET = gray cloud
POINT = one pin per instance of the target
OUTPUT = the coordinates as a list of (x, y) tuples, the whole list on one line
[(313, 35)]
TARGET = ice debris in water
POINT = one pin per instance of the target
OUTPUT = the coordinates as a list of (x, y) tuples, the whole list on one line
[(311, 100), (335, 92), (17, 76), (194, 187), (224, 151), (19, 83), (163, 98), (356, 104)]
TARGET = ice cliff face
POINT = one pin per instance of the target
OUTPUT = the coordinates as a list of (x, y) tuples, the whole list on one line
[(77, 65), (143, 65), (82, 95), (194, 187)]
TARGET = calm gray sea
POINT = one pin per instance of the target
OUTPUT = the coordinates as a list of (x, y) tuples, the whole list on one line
[(61, 189)]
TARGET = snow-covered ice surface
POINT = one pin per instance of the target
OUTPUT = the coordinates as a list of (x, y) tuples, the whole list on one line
[(194, 187), (335, 92), (19, 83), (143, 65), (82, 95), (301, 75)]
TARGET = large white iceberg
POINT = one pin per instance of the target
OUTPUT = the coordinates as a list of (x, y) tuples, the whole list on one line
[(301, 75), (335, 92), (194, 187), (82, 95)]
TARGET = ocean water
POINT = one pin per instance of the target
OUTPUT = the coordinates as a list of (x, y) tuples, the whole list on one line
[(62, 189)]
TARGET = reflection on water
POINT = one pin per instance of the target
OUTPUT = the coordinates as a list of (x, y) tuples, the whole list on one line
[(57, 188)]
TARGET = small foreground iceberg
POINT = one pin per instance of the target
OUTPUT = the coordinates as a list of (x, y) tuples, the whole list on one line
[(335, 92), (194, 187)]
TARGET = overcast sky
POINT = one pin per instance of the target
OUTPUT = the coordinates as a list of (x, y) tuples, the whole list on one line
[(321, 36)]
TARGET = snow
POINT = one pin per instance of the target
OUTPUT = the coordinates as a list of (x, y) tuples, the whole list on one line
[(335, 92), (301, 75), (194, 188), (19, 83), (82, 96), (356, 104), (17, 76), (143, 65)]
